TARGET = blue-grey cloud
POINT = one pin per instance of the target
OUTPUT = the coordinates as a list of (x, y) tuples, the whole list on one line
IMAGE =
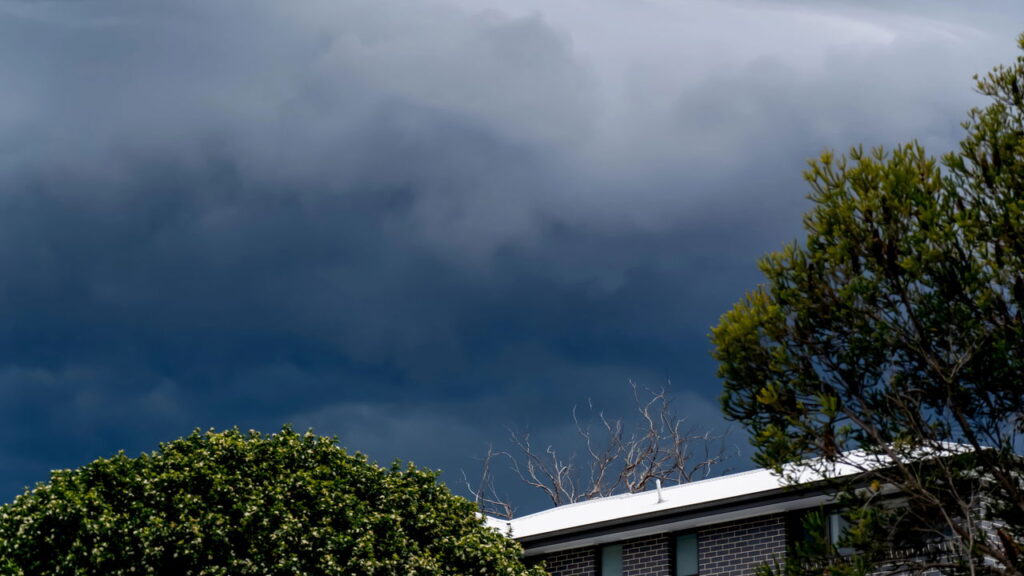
[(412, 223)]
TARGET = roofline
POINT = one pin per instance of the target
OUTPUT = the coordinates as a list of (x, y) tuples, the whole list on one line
[(778, 500), (748, 499)]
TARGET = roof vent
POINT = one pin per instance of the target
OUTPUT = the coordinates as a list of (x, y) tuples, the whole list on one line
[(657, 486)]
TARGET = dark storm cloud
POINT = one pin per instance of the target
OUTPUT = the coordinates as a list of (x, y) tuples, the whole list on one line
[(413, 223)]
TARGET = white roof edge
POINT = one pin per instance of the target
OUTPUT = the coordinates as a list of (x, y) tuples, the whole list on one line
[(702, 493), (637, 505), (680, 525)]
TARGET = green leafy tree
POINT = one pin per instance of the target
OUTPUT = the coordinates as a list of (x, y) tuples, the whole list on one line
[(886, 351), (228, 503)]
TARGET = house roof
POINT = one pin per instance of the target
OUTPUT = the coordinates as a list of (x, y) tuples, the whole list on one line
[(695, 504), (623, 506), (682, 507)]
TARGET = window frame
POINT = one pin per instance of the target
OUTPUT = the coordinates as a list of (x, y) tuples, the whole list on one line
[(675, 564), (834, 524)]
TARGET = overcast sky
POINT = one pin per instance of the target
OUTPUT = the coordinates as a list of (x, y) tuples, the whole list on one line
[(412, 223)]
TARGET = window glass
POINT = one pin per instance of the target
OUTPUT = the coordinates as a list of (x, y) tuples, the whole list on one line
[(611, 560), (837, 526), (686, 555), (796, 528)]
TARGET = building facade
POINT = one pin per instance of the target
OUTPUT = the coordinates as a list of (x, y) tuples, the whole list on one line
[(727, 526)]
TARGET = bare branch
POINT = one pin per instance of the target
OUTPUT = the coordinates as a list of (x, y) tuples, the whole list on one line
[(484, 494), (659, 445)]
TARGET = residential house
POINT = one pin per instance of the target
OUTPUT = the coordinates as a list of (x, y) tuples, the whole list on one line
[(725, 526)]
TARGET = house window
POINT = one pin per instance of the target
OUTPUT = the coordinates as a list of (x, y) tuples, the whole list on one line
[(837, 526), (686, 555), (818, 527), (611, 560)]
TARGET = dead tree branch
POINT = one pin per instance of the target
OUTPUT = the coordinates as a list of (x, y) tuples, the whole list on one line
[(620, 455)]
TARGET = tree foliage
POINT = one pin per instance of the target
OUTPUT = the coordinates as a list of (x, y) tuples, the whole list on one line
[(891, 342), (228, 503)]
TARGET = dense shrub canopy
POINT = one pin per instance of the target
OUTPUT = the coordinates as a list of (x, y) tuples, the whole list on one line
[(230, 503)]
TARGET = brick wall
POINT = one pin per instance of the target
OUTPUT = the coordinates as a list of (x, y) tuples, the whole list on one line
[(648, 556), (575, 562), (738, 548), (733, 549)]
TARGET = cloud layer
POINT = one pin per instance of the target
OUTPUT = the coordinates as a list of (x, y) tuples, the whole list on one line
[(415, 222)]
